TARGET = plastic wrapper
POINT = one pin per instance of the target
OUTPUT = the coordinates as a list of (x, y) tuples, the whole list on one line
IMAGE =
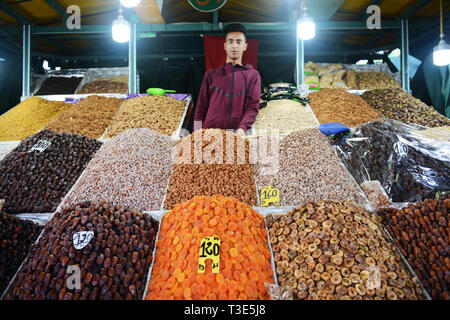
[(279, 293), (409, 166), (376, 194)]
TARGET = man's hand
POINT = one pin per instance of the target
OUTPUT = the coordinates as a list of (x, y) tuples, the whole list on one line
[(240, 132)]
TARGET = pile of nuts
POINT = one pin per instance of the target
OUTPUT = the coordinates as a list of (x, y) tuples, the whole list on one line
[(28, 117), (102, 86), (224, 168), (309, 170), (376, 80), (376, 194), (284, 116), (16, 238), (398, 105), (35, 181), (113, 265), (336, 105), (188, 181), (59, 85), (132, 169), (408, 172), (244, 255), (89, 117), (336, 250), (158, 113), (421, 231)]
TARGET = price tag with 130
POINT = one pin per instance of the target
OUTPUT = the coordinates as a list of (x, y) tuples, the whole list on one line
[(209, 249)]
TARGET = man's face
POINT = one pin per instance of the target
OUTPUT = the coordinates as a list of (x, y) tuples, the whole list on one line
[(235, 45)]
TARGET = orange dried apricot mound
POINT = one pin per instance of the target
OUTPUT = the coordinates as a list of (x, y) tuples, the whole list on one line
[(244, 256)]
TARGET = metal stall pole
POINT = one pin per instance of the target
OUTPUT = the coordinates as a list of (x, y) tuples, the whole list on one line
[(300, 62), (132, 84), (405, 55), (26, 62)]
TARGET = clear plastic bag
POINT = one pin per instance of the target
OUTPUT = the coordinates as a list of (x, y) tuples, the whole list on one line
[(409, 166)]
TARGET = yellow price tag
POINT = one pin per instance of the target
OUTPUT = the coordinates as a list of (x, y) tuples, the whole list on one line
[(209, 249), (270, 196)]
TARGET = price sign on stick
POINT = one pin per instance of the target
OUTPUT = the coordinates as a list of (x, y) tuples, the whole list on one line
[(40, 146), (209, 249), (82, 238), (270, 196)]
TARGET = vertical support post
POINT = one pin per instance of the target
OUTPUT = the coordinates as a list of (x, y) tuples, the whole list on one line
[(26, 62), (300, 62), (216, 20), (132, 83), (405, 55)]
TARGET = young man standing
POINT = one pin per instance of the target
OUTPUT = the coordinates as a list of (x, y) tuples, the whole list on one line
[(229, 96)]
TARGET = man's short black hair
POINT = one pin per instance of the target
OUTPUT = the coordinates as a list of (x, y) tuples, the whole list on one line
[(235, 27)]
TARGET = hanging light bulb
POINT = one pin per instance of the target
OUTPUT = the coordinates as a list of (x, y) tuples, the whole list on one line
[(130, 3), (306, 28), (441, 53), (121, 29)]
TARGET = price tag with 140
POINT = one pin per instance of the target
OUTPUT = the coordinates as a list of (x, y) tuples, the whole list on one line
[(209, 249)]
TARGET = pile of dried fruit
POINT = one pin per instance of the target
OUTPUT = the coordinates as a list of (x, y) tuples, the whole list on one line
[(89, 117), (376, 194), (28, 117), (132, 169), (336, 105), (35, 181), (113, 265), (212, 175), (309, 170), (408, 169), (59, 85), (244, 264), (16, 238), (102, 86), (398, 105), (158, 113), (422, 231), (376, 80), (335, 250), (284, 116)]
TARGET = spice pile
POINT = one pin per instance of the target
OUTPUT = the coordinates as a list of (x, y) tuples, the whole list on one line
[(398, 105), (158, 113), (133, 169), (244, 265), (89, 117), (28, 117), (336, 105)]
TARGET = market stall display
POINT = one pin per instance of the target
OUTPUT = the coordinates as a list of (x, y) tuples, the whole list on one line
[(336, 250), (336, 105), (113, 265), (398, 105), (16, 238), (89, 117), (28, 117), (132, 169), (211, 176), (158, 113), (309, 170), (36, 175), (376, 80), (59, 85), (421, 231), (409, 168), (244, 256), (284, 116)]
